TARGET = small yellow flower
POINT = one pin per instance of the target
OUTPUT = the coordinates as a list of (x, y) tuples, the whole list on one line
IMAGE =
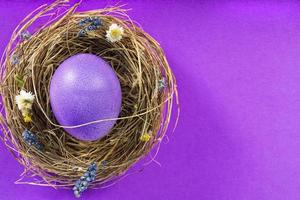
[(145, 137), (27, 118), (114, 33)]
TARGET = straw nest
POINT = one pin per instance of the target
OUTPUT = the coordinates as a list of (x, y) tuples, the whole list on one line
[(139, 63)]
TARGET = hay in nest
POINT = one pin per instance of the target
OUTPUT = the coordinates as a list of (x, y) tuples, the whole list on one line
[(139, 63)]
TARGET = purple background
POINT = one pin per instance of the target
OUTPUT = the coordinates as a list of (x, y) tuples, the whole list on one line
[(238, 70)]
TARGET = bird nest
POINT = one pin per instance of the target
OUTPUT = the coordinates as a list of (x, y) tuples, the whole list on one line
[(147, 83)]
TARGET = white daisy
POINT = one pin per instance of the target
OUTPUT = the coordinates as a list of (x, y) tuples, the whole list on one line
[(24, 100), (114, 33)]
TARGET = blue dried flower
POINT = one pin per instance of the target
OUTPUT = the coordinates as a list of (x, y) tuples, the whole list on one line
[(81, 23), (82, 33), (14, 59), (82, 184), (162, 83), (89, 19), (97, 22), (32, 140), (25, 35), (91, 23), (91, 28)]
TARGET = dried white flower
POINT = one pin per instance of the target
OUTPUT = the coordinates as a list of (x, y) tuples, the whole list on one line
[(24, 101), (114, 33)]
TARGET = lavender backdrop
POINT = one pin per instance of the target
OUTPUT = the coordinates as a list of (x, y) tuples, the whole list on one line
[(238, 70)]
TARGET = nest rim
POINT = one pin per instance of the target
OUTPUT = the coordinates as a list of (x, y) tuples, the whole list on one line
[(66, 158)]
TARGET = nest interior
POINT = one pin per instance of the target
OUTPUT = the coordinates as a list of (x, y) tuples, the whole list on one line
[(139, 63)]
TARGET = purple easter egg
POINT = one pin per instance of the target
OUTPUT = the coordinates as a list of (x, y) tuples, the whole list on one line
[(85, 88)]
